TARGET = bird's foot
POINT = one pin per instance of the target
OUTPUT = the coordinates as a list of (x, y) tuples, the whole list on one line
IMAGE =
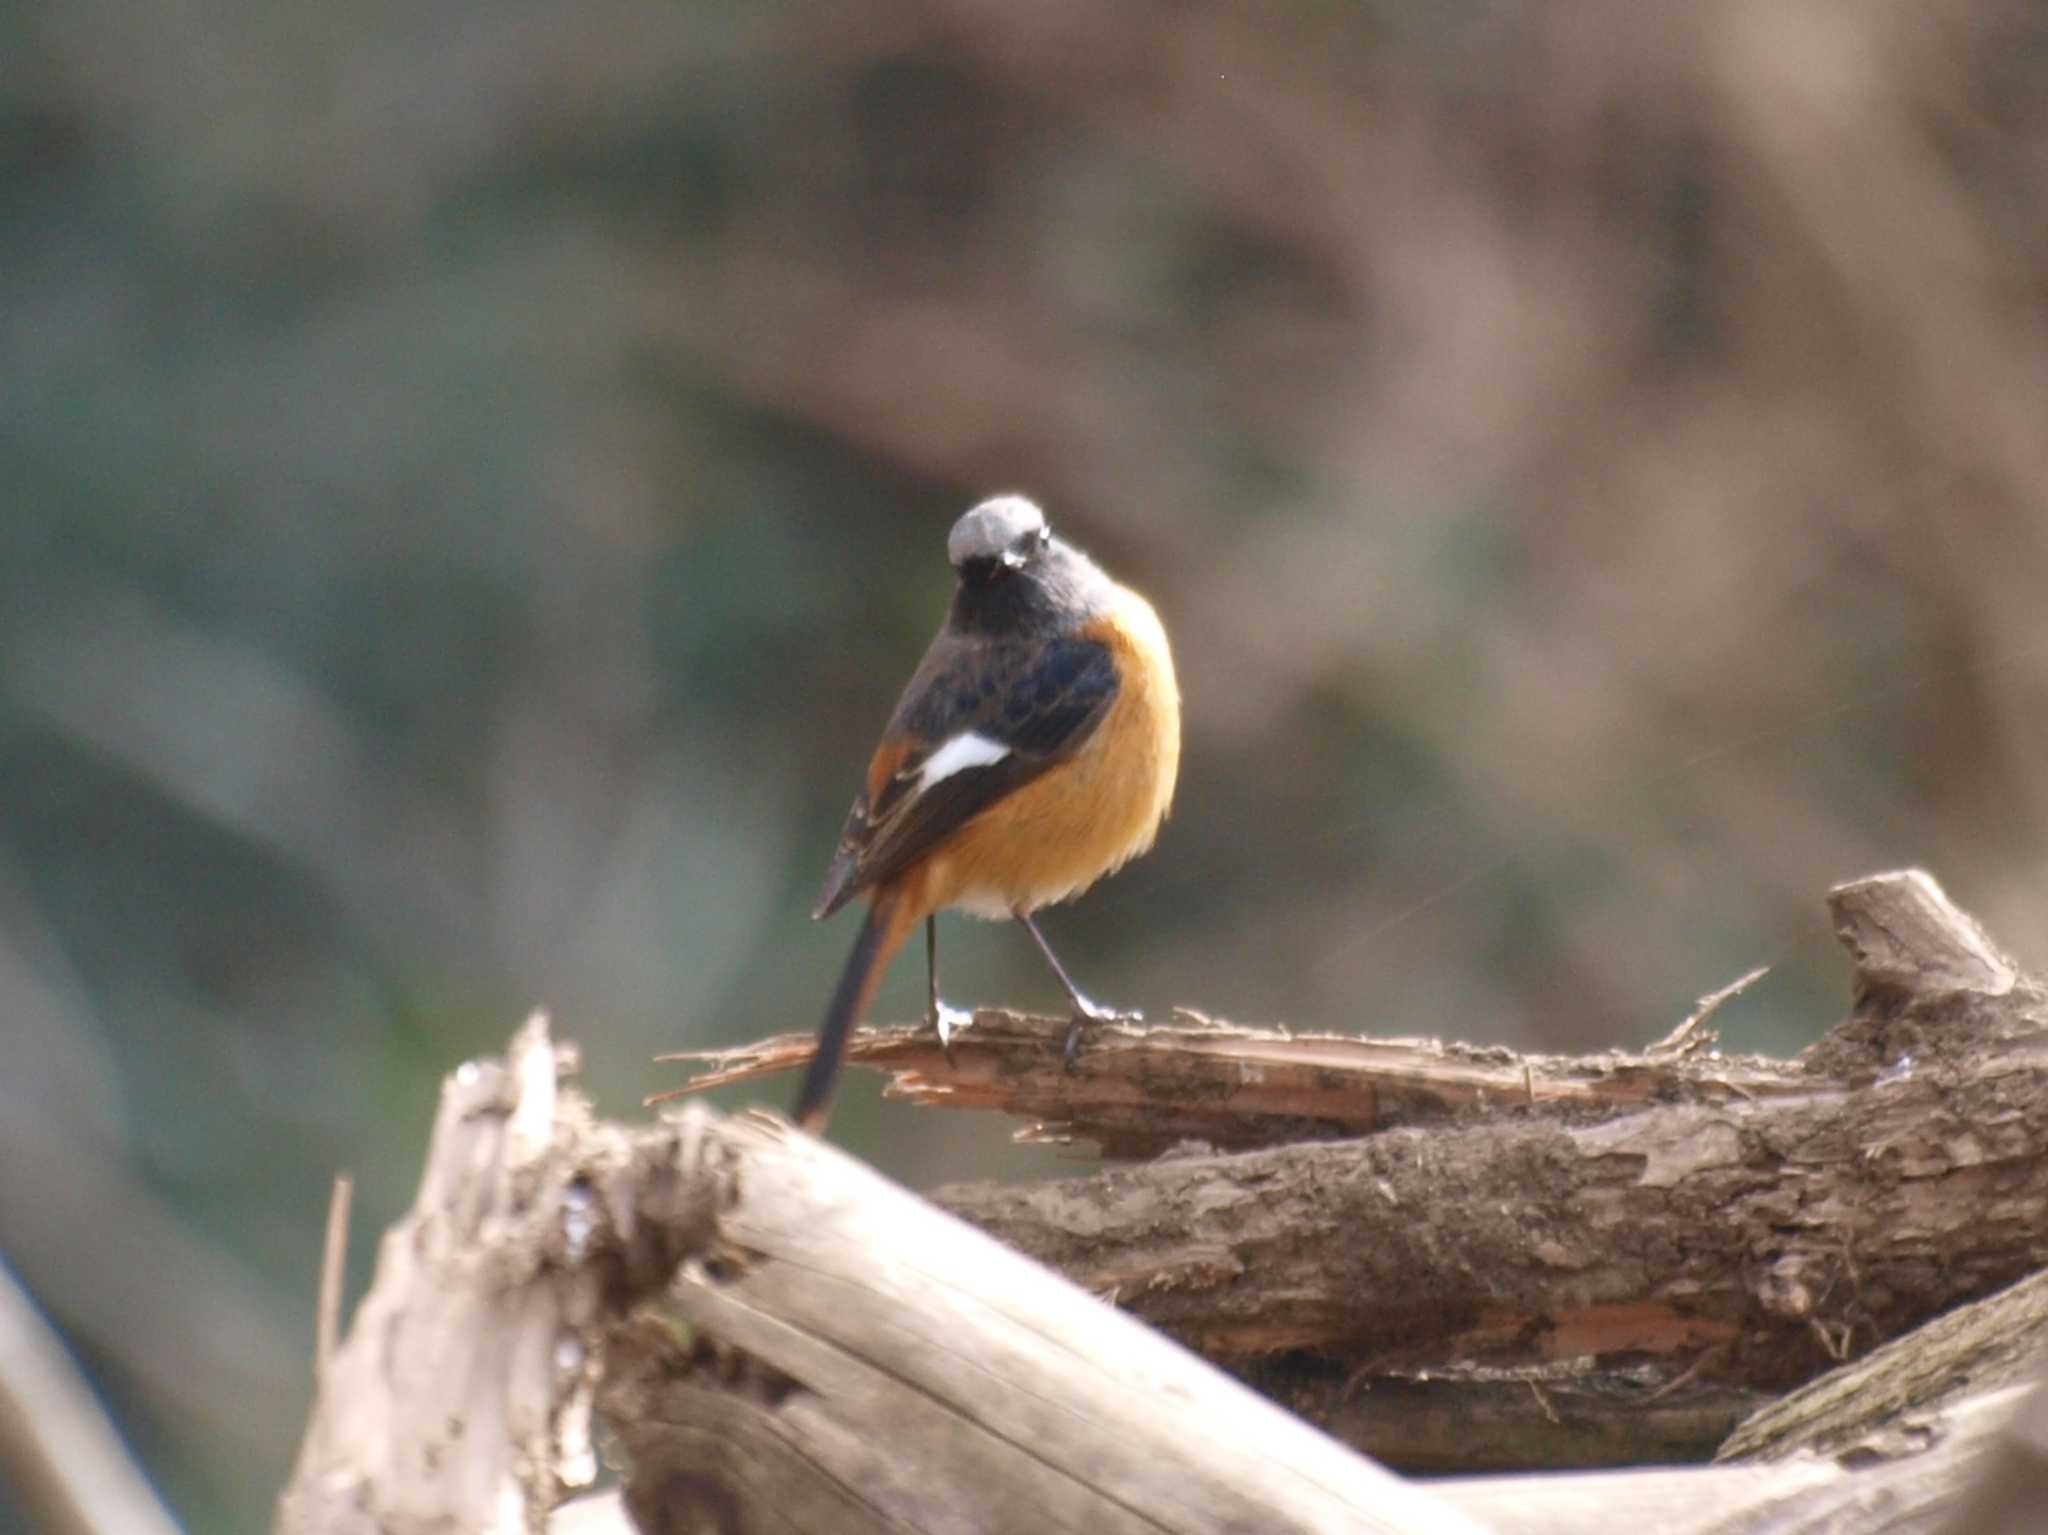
[(1087, 1015), (946, 1021)]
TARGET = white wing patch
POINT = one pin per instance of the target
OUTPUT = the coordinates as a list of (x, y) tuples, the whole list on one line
[(969, 749)]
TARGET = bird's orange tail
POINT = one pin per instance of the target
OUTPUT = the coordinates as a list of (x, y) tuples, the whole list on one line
[(881, 935)]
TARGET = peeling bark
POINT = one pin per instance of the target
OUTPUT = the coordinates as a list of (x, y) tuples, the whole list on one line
[(830, 1353), (1616, 1261)]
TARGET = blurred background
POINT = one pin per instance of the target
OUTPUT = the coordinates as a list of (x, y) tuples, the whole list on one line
[(476, 477)]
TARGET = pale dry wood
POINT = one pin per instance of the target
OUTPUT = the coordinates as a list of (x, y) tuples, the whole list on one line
[(438, 1411), (2010, 1491), (1885, 1402), (1675, 1261), (1916, 1393), (917, 1375), (903, 1371), (1917, 1494), (1911, 1495), (1954, 1464), (460, 1398), (841, 1357), (333, 1267)]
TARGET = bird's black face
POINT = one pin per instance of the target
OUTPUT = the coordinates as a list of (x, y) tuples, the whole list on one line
[(1026, 552), (1015, 577)]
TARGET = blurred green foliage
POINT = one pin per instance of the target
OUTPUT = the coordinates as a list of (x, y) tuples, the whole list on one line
[(475, 479)]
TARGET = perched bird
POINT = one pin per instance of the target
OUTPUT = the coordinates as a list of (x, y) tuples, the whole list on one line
[(1034, 751)]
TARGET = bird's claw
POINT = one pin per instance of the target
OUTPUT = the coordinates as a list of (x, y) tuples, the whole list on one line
[(946, 1022), (1087, 1015)]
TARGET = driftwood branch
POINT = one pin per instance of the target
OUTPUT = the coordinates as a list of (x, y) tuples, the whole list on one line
[(1138, 1090), (780, 1339), (1974, 1469), (460, 1399), (898, 1370), (833, 1354), (1544, 1261), (1879, 1461)]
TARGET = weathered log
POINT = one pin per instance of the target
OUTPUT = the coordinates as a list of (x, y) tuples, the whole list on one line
[(898, 1370), (1886, 1403), (861, 1360), (460, 1399), (834, 1354), (1736, 1239), (1959, 1482), (1137, 1090), (1570, 1261), (1938, 1433)]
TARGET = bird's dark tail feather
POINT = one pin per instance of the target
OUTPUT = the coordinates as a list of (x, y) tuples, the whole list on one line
[(880, 936)]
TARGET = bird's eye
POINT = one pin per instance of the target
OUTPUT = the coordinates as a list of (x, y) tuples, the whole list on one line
[(1044, 536)]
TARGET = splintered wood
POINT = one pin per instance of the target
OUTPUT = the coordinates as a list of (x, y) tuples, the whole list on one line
[(1136, 1090), (1509, 1262), (1599, 1258)]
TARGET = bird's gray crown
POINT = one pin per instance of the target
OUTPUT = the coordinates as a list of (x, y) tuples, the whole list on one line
[(991, 528)]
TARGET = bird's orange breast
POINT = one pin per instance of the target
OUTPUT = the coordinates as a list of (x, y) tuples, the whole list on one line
[(1089, 815)]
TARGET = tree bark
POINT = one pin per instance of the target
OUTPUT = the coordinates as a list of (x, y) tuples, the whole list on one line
[(1976, 1471), (783, 1340), (833, 1354), (1538, 1261), (1883, 1405)]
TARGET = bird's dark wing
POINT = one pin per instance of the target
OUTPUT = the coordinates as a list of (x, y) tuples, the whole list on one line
[(978, 721)]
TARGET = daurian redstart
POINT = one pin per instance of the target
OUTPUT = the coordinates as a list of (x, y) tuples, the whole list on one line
[(1033, 752)]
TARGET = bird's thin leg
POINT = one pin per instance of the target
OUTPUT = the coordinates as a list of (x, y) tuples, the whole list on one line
[(1085, 1011), (946, 1020)]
